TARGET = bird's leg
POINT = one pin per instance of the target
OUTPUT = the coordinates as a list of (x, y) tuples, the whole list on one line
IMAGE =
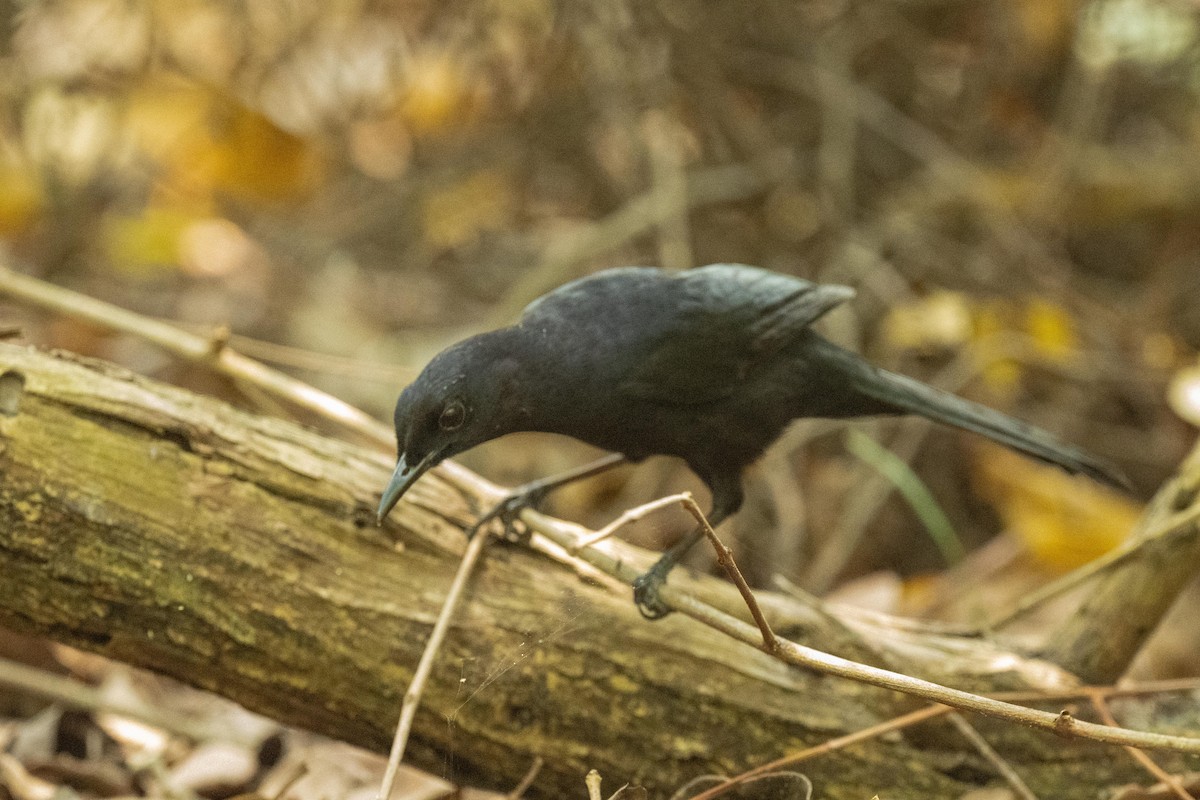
[(645, 588), (531, 494), (727, 500)]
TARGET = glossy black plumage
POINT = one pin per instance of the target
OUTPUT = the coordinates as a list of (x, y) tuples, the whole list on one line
[(709, 365)]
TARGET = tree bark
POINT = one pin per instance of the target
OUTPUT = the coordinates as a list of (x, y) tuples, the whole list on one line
[(239, 553)]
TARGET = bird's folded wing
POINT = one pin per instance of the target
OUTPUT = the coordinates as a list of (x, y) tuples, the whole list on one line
[(712, 346)]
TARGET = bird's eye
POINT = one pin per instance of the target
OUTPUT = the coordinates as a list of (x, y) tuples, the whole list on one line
[(453, 416)]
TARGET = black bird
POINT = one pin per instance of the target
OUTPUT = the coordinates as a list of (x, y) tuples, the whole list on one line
[(710, 365)]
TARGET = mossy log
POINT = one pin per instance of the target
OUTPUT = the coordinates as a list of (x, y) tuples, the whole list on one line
[(239, 553)]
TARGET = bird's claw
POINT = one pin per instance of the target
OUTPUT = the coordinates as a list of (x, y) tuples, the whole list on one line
[(645, 594), (508, 512)]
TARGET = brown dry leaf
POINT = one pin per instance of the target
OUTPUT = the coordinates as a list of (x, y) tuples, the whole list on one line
[(1048, 326), (381, 148), (165, 115), (780, 785), (75, 137), (1158, 791), (1046, 24), (205, 143), (1063, 520), (92, 775)]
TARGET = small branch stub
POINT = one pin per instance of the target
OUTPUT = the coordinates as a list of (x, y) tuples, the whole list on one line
[(12, 387)]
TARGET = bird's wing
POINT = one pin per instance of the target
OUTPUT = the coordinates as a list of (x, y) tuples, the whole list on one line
[(729, 319)]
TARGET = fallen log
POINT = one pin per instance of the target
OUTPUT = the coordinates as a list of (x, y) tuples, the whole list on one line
[(239, 553)]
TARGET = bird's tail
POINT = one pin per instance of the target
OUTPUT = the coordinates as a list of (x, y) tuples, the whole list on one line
[(896, 393)]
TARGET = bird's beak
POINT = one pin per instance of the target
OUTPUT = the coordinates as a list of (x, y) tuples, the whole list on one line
[(404, 477)]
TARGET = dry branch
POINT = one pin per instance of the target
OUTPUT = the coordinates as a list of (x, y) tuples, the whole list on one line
[(1128, 601), (239, 554)]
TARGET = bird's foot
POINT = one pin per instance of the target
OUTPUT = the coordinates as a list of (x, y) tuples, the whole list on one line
[(508, 511), (645, 592)]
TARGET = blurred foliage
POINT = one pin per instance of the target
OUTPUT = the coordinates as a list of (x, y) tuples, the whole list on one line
[(1013, 187), (1064, 521)]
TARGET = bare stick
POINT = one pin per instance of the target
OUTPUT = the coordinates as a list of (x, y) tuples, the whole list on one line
[(989, 753), (593, 784), (412, 697), (897, 723), (566, 535), (725, 559), (628, 516), (207, 350), (521, 788)]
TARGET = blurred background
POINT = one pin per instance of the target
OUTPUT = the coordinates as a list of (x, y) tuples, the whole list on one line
[(1013, 188), (348, 186)]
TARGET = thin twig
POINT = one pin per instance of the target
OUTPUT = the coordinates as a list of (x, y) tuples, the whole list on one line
[(1087, 692), (1173, 783), (521, 788), (628, 516), (189, 346), (412, 697), (566, 534), (725, 559), (895, 724), (989, 753)]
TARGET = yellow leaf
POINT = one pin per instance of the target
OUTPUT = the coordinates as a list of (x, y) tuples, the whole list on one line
[(454, 214), (148, 243), (204, 143), (1052, 330), (1002, 376), (21, 198), (256, 159), (1063, 520)]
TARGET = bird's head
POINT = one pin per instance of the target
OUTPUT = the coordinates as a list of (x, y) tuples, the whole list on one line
[(461, 399)]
